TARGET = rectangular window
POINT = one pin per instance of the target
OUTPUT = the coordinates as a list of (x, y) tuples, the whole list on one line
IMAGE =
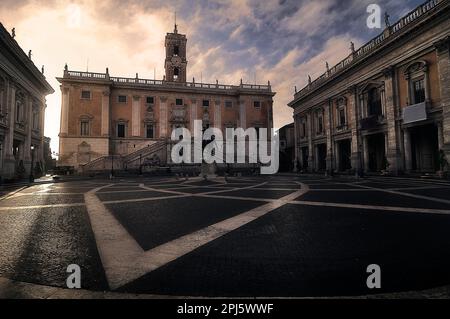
[(120, 130), (419, 91), (303, 129), (341, 116), (257, 104), (179, 102), (229, 104), (176, 50), (85, 94), (150, 100), (84, 130), (122, 98), (18, 111), (205, 103), (150, 131), (320, 124)]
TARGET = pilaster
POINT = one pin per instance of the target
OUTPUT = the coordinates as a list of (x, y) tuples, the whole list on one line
[(392, 147), (106, 119), (443, 63), (163, 117), (136, 116)]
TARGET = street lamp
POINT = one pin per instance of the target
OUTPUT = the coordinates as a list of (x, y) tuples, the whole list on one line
[(32, 164), (112, 160)]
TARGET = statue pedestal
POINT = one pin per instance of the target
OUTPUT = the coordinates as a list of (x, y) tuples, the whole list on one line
[(208, 171)]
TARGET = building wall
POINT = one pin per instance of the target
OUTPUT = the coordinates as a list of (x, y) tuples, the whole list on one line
[(22, 110), (421, 51), (134, 113)]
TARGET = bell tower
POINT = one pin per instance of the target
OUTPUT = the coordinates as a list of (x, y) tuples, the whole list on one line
[(175, 64)]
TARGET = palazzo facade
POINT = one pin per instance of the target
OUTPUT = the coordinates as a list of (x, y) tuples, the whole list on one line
[(386, 107), (23, 89), (124, 123)]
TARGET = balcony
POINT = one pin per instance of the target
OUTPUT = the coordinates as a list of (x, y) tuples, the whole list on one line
[(371, 122), (414, 113), (342, 128)]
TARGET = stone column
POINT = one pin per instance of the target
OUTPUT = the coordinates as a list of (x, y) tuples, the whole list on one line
[(42, 108), (440, 135), (9, 137), (353, 108), (366, 153), (296, 150), (328, 121), (242, 114), (443, 62), (64, 126), (105, 113), (193, 113), (311, 164), (28, 117), (163, 117), (337, 157), (217, 115), (392, 149), (136, 116), (407, 147)]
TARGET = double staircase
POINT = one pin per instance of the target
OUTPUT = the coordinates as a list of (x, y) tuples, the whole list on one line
[(122, 162)]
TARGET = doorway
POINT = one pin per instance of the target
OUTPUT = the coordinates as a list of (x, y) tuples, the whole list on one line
[(377, 152), (424, 148), (344, 155)]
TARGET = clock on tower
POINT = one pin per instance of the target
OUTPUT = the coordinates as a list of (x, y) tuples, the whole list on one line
[(175, 64)]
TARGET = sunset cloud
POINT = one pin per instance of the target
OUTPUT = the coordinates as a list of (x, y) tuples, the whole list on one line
[(278, 40)]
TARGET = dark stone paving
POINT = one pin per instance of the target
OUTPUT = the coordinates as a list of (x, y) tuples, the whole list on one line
[(390, 185), (203, 183), (196, 190), (155, 223), (41, 200), (331, 186), (45, 243), (132, 195), (376, 198), (297, 250), (258, 193), (122, 188), (311, 251), (442, 193)]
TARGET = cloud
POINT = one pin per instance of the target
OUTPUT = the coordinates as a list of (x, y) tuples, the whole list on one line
[(278, 40)]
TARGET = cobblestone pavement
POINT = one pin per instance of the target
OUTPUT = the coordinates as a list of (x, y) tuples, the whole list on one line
[(248, 236)]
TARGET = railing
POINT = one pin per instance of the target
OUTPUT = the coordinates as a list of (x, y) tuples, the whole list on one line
[(148, 149), (371, 45), (90, 75), (413, 15), (147, 82)]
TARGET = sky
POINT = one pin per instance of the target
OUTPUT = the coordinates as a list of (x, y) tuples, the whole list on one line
[(283, 41)]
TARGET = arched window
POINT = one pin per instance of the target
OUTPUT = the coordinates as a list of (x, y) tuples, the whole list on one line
[(416, 75), (2, 95), (20, 100), (176, 73), (374, 102), (341, 113), (35, 119), (319, 121)]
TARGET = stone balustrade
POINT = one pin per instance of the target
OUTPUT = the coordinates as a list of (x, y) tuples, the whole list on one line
[(368, 48), (79, 75)]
